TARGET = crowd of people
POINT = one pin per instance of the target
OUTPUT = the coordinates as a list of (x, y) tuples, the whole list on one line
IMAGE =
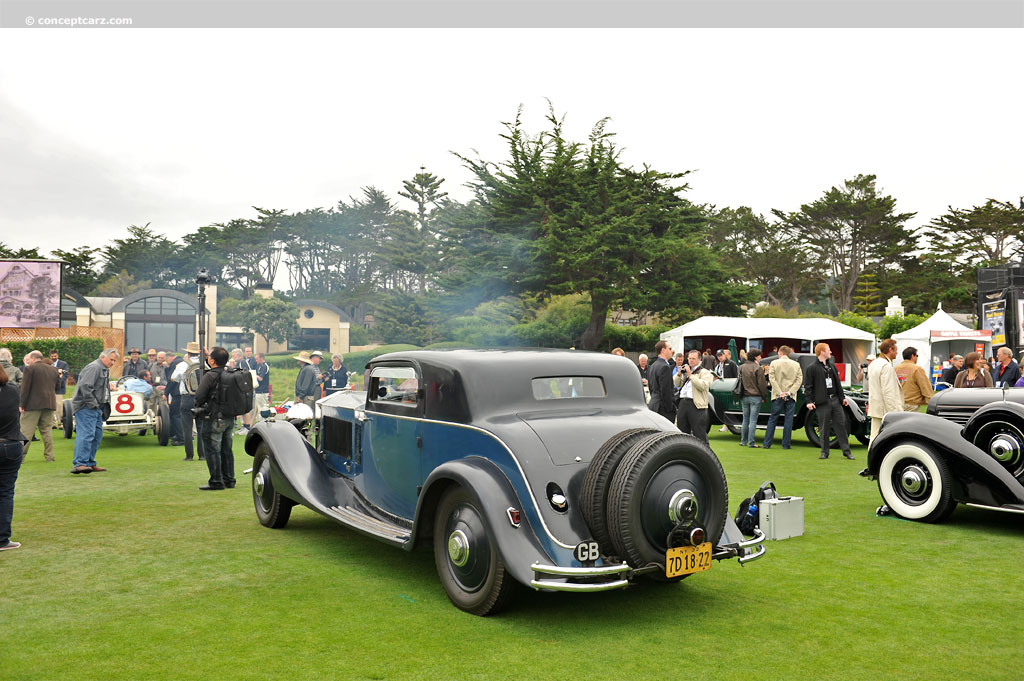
[(32, 401), (679, 386)]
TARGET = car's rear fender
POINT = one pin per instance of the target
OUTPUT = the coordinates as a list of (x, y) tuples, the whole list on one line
[(977, 477), (518, 546)]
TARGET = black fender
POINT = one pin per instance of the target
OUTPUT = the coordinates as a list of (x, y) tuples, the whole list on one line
[(856, 413), (977, 477), (296, 469), (493, 494)]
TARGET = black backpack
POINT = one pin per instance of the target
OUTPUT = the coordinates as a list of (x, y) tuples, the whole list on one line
[(747, 513), (234, 392)]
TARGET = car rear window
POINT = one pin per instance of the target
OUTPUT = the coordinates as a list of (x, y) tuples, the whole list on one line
[(394, 384), (567, 387)]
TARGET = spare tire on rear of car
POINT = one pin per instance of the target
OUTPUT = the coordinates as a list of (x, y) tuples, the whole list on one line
[(594, 494), (643, 498)]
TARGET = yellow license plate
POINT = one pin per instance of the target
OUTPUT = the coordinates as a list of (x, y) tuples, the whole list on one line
[(685, 560)]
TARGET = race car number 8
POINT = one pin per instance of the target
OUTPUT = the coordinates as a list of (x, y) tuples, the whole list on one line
[(124, 404), (587, 551)]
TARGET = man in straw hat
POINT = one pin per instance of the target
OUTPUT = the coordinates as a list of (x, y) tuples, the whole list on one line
[(307, 383), (187, 400)]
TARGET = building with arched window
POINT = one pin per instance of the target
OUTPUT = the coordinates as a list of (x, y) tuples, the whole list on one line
[(164, 319)]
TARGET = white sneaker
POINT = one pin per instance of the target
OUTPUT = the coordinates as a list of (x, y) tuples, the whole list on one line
[(10, 545)]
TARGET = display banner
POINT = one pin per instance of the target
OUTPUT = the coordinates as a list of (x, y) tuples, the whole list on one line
[(29, 293), (994, 319)]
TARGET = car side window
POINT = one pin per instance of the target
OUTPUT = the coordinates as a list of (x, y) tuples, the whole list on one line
[(394, 386)]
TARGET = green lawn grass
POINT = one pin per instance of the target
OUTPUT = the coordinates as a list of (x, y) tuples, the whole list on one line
[(135, 574)]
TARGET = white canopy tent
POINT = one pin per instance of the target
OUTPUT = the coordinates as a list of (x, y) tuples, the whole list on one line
[(938, 336), (855, 344)]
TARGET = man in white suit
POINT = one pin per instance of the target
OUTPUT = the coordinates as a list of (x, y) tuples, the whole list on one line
[(885, 394)]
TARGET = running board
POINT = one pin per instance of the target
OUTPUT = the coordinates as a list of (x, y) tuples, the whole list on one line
[(1010, 508), (372, 526)]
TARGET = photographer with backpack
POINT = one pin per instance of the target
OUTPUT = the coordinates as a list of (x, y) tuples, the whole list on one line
[(221, 397)]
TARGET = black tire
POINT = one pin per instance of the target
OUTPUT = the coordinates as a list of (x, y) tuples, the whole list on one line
[(142, 431), (594, 494), (650, 476), (812, 428), (163, 424), (915, 482), (68, 420), (468, 564), (272, 509), (735, 430)]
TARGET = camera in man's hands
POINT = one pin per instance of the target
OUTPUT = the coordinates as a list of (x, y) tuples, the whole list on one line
[(200, 412)]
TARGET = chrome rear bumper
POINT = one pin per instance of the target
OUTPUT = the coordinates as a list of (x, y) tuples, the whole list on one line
[(618, 576), (602, 578)]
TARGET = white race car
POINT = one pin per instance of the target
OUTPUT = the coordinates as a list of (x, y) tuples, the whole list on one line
[(128, 412)]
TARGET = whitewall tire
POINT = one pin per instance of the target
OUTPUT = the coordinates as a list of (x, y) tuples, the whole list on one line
[(915, 483)]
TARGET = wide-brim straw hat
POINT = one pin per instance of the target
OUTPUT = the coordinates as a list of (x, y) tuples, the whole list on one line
[(192, 348), (303, 357)]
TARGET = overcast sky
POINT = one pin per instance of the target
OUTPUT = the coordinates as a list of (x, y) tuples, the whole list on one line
[(101, 129)]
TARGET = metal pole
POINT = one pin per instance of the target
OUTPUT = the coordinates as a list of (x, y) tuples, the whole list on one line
[(202, 279)]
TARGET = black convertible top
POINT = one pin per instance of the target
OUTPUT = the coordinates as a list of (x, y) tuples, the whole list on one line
[(469, 385)]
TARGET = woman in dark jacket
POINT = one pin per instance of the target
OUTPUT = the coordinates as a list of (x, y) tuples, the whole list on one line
[(755, 390), (12, 444)]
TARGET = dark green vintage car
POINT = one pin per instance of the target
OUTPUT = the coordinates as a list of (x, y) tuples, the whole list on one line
[(725, 408)]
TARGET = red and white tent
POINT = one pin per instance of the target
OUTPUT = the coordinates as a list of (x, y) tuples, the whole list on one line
[(938, 336)]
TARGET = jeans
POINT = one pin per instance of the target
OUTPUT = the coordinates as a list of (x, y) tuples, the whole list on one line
[(220, 460), (11, 454), (187, 421), (88, 433), (787, 429), (751, 406)]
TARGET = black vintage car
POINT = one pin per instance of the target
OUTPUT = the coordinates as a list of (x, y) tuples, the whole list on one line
[(539, 467), (968, 449), (725, 408)]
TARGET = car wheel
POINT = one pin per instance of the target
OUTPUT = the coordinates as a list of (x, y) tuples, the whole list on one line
[(735, 430), (665, 479), (163, 424), (1003, 440), (813, 430), (471, 572), (68, 420), (594, 494), (915, 483), (272, 509)]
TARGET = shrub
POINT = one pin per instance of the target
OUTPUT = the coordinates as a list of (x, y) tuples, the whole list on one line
[(890, 326), (77, 352)]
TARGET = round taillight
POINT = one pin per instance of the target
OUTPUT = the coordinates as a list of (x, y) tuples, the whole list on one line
[(697, 536)]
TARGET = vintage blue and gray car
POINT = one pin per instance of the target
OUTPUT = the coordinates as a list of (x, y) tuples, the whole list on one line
[(968, 449), (543, 468)]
